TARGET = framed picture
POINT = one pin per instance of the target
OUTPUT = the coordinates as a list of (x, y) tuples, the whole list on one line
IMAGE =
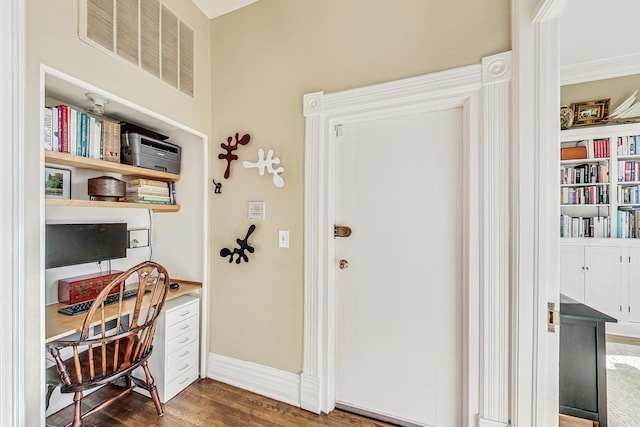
[(590, 112), (57, 183), (138, 238)]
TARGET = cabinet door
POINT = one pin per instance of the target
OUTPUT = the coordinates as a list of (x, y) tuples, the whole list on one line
[(634, 285), (572, 272), (602, 286)]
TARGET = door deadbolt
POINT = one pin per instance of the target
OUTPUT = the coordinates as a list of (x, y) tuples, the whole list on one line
[(341, 231), (343, 264)]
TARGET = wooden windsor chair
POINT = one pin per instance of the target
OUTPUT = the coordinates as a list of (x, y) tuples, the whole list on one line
[(112, 343)]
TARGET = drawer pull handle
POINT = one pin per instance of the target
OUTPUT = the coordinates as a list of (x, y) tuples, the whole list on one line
[(184, 313), (184, 354), (184, 381), (184, 340), (184, 327), (184, 367)]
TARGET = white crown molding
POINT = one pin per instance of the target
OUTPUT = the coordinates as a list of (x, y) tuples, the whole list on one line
[(270, 382), (600, 69), (214, 8)]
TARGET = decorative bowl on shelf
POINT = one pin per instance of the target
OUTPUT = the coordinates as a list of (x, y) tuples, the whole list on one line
[(106, 188)]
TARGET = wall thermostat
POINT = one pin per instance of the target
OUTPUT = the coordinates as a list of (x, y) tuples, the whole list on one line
[(256, 211)]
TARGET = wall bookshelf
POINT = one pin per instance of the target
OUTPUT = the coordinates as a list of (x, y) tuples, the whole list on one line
[(101, 165), (66, 159), (600, 194)]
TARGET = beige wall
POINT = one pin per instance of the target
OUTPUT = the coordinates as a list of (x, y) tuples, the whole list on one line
[(617, 89), (265, 57), (52, 39)]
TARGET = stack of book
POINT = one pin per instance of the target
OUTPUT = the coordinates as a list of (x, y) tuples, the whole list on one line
[(150, 191)]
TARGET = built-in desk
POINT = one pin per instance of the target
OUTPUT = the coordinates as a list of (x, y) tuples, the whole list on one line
[(583, 363), (60, 325)]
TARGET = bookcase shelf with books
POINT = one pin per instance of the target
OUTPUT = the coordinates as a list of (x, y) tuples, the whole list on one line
[(600, 192)]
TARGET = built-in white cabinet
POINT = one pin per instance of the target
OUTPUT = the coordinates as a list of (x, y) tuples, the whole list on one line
[(593, 276), (174, 360), (634, 285), (603, 274)]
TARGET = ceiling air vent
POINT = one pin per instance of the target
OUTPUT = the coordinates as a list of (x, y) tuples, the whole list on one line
[(143, 32)]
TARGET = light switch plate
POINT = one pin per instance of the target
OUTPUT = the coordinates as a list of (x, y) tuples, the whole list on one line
[(283, 238)]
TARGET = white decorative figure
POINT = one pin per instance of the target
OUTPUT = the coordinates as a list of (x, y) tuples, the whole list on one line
[(268, 163)]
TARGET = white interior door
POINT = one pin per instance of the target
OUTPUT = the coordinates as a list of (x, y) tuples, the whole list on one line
[(399, 340)]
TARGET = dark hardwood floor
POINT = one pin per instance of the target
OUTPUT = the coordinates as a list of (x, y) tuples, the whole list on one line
[(208, 403)]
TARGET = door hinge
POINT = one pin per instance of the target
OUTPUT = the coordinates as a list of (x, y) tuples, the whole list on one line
[(339, 131), (553, 317)]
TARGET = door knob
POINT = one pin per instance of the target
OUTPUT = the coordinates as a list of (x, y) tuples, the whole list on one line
[(343, 264)]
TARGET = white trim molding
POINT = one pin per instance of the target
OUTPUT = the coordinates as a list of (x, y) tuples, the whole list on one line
[(607, 68), (495, 256), (534, 207), (274, 383), (483, 93), (12, 137)]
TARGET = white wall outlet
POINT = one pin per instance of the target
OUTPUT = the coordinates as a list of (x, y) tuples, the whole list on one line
[(283, 238)]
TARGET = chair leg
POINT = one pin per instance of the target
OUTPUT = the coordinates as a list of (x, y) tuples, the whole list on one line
[(152, 389), (50, 389), (77, 409)]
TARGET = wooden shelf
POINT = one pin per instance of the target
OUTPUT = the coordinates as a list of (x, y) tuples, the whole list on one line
[(156, 207), (101, 165)]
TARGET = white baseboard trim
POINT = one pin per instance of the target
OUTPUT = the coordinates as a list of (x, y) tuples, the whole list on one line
[(310, 393), (482, 422), (266, 381)]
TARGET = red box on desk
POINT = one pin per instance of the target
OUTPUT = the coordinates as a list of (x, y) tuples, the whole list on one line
[(73, 290)]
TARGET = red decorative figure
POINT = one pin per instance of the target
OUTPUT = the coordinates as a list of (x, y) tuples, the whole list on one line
[(230, 148)]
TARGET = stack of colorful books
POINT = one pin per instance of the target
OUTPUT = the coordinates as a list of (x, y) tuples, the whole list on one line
[(149, 191)]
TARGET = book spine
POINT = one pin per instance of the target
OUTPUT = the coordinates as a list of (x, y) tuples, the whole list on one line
[(97, 136), (149, 191), (136, 200), (73, 115), (148, 182), (64, 129), (166, 199), (172, 192), (55, 132), (78, 132), (47, 128)]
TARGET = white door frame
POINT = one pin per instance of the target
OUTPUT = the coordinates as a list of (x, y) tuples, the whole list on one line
[(12, 107), (483, 92), (535, 240)]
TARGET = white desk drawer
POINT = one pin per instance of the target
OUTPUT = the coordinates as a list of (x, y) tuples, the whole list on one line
[(182, 354), (182, 381), (181, 341), (179, 367), (183, 312), (174, 330)]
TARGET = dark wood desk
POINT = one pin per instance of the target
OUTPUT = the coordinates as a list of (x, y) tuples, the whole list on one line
[(60, 325), (583, 361)]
